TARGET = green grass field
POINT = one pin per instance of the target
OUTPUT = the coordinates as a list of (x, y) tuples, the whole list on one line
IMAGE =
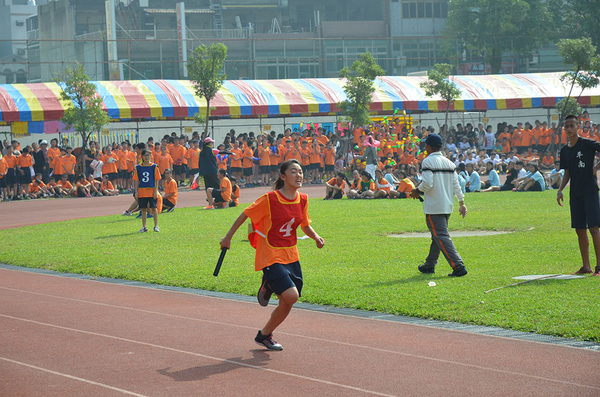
[(359, 267)]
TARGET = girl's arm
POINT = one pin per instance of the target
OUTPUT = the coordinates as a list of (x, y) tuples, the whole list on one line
[(226, 241), (310, 232)]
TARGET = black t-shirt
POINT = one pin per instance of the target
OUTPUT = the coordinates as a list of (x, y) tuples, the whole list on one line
[(579, 161), (513, 174)]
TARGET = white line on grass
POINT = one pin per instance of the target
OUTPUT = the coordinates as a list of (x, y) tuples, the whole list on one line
[(91, 382)]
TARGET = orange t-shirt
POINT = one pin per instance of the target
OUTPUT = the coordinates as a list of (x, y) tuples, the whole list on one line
[(193, 157), (132, 156), (123, 156), (274, 158), (406, 186), (236, 158), (305, 156), (64, 184), (248, 162), (53, 154), (107, 186), (225, 188), (517, 138), (25, 161), (2, 167), (334, 182), (222, 161), (177, 154), (155, 156), (110, 163), (11, 161), (34, 187), (329, 156), (235, 190), (526, 138), (68, 162), (506, 147), (314, 156), (265, 156), (171, 187), (548, 160), (275, 219), (165, 162)]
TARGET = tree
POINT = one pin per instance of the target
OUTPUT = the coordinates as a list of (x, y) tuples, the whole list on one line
[(492, 28), (205, 68), (577, 18), (585, 74), (84, 106), (438, 84), (359, 89)]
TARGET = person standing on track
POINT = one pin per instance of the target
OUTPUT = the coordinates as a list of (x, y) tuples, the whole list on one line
[(275, 217), (440, 185), (577, 159)]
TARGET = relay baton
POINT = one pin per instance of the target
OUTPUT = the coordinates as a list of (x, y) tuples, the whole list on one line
[(220, 261)]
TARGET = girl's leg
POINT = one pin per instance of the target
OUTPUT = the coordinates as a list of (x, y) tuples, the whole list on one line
[(286, 301), (155, 215), (144, 215)]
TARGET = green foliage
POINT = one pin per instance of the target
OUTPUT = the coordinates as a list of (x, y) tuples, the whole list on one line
[(205, 68), (359, 267), (439, 84), (577, 18), (84, 106), (359, 89), (567, 106), (494, 27)]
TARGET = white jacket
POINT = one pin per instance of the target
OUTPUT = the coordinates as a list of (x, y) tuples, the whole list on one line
[(440, 184)]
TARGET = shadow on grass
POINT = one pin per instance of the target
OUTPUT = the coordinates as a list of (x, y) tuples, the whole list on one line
[(259, 359)]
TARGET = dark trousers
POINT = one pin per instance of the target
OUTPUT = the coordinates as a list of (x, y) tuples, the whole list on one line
[(441, 242)]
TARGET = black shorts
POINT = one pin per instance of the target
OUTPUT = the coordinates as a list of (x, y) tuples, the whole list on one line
[(248, 171), (329, 167), (146, 202), (314, 166), (167, 203), (585, 211), (72, 178), (11, 177), (211, 181), (235, 169), (274, 168), (25, 177), (305, 169), (3, 182), (194, 171), (507, 186), (217, 197), (80, 192), (124, 174), (265, 169), (280, 277), (177, 169), (113, 176), (536, 187), (338, 195)]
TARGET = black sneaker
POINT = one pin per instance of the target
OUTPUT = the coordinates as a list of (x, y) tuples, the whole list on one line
[(427, 269), (267, 341), (264, 293), (458, 272)]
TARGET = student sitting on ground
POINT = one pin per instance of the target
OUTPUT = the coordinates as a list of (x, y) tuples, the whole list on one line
[(63, 187), (94, 185), (107, 188), (221, 196), (406, 186), (235, 192), (474, 181), (170, 194), (493, 178), (334, 188), (38, 189), (384, 188), (533, 181), (556, 176), (82, 188), (366, 187)]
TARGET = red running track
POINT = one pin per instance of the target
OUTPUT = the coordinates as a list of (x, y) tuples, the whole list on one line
[(75, 337)]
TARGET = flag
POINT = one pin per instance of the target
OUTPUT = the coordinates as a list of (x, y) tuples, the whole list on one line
[(195, 182)]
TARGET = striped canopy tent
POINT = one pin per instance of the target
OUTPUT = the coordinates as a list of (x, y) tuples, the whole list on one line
[(175, 99)]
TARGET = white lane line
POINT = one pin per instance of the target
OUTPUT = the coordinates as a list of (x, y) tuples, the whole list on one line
[(91, 382), (290, 374), (377, 349)]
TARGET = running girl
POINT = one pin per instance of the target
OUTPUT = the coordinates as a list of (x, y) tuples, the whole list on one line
[(275, 217)]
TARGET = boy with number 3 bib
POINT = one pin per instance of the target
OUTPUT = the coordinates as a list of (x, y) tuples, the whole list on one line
[(275, 217), (146, 177)]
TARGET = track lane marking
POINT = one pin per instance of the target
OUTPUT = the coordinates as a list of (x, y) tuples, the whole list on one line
[(91, 382), (223, 360)]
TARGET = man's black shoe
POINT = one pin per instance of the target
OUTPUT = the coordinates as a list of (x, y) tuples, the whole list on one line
[(458, 272), (426, 269)]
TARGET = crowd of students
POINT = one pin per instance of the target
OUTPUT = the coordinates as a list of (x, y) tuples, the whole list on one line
[(384, 161)]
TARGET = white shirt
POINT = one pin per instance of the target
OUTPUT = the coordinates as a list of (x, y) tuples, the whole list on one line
[(440, 185)]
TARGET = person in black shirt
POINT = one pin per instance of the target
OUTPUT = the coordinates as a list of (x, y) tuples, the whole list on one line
[(577, 159)]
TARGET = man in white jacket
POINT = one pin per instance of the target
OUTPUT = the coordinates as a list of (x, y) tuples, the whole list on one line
[(439, 186)]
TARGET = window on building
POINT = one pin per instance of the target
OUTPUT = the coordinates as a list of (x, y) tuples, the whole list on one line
[(425, 9)]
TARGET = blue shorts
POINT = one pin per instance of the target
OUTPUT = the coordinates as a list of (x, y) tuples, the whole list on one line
[(283, 277), (585, 211)]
